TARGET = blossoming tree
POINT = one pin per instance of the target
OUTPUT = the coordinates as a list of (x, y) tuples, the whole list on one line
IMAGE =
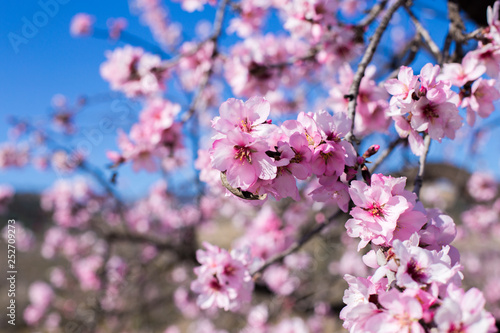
[(292, 126)]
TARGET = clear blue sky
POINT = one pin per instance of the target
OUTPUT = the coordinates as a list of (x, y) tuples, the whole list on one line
[(54, 62)]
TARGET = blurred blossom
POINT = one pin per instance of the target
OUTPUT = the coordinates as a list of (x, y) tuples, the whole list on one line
[(482, 186), (81, 25)]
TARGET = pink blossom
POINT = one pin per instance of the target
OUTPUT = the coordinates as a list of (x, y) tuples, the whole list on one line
[(480, 101), (25, 239), (266, 235), (251, 17), (249, 117), (309, 19), (81, 25), (32, 315), (291, 325), (464, 312), (439, 230), (418, 267), (332, 155), (154, 15), (439, 120), (332, 190), (133, 71), (401, 313), (186, 303), (194, 63), (243, 158), (73, 202), (359, 299), (482, 186), (13, 156), (459, 74), (401, 88), (86, 271), (489, 55), (40, 294), (371, 101), (377, 211), (280, 281), (223, 279), (480, 218), (116, 26), (248, 72), (338, 45), (195, 5)]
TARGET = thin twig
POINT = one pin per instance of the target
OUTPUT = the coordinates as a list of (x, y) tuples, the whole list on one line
[(431, 45), (386, 153), (411, 48), (419, 180), (445, 54), (297, 245), (456, 24), (219, 18), (365, 61), (372, 15)]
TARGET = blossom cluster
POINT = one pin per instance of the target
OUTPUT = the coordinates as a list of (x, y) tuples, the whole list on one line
[(416, 285), (372, 106), (261, 64), (134, 71), (423, 103), (156, 135), (260, 157), (73, 202), (383, 211), (223, 279)]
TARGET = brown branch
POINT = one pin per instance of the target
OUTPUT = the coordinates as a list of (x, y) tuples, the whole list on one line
[(297, 245), (419, 180), (383, 155), (372, 15), (456, 24), (365, 61), (412, 49), (238, 192), (429, 42), (219, 18)]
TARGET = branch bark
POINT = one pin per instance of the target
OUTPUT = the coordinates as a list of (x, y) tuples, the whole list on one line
[(219, 18), (419, 180), (429, 42), (385, 154), (297, 245), (365, 61)]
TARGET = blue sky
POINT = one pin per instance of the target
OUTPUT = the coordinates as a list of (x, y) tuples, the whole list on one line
[(51, 62)]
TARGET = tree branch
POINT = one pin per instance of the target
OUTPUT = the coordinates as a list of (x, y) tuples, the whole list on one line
[(372, 15), (419, 180), (219, 18), (386, 153), (297, 245), (365, 61), (431, 45), (456, 24)]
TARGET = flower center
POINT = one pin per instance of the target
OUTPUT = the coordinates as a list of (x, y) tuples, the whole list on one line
[(242, 154), (376, 210), (416, 272), (430, 111), (229, 270), (245, 126), (214, 284)]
